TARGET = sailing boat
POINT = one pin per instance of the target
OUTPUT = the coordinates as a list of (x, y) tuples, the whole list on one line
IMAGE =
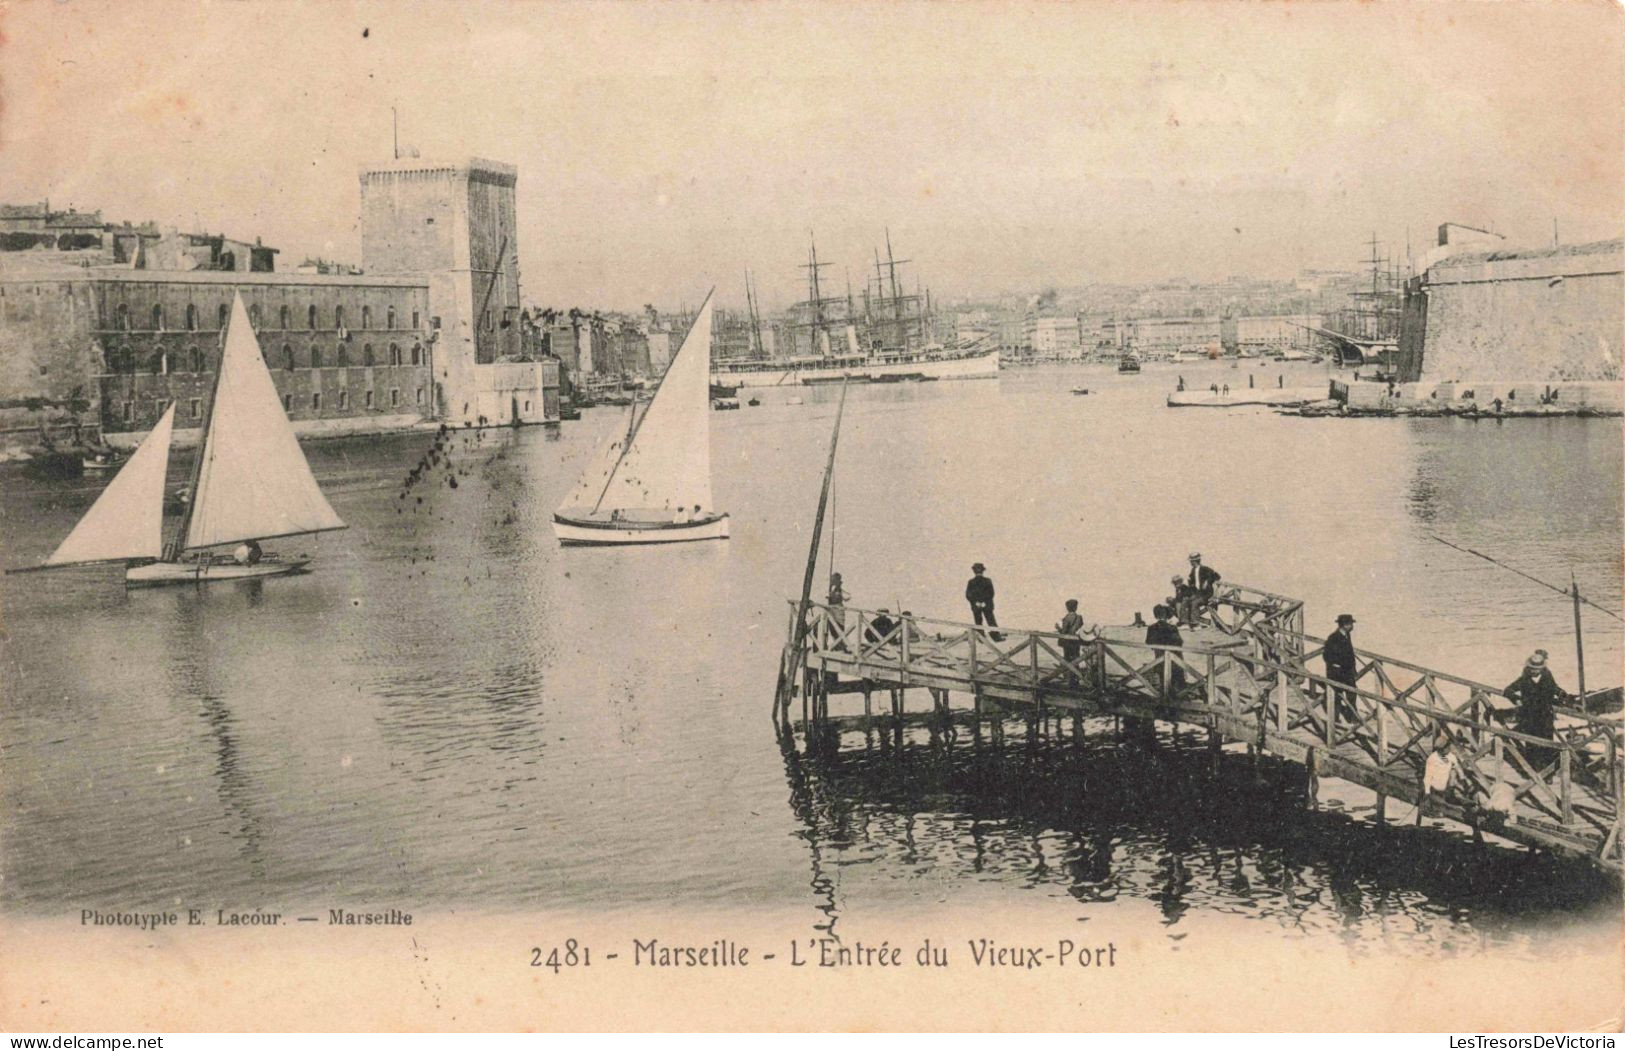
[(652, 485), (251, 482)]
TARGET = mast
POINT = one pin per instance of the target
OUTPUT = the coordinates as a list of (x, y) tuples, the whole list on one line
[(1579, 644), (814, 294), (626, 443), (172, 550), (755, 317), (786, 672)]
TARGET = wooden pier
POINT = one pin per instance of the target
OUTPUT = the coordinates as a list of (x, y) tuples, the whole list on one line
[(1245, 677)]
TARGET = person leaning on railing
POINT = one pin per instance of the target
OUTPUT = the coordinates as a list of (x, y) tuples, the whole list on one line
[(1538, 696), (1165, 633)]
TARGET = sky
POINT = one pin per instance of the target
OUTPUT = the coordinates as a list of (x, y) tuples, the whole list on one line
[(1008, 147)]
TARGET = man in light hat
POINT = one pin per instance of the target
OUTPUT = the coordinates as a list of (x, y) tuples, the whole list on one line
[(1201, 582), (1538, 695), (1339, 656), (979, 593)]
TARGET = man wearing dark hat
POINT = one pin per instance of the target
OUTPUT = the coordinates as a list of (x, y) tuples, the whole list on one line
[(979, 593), (1339, 655), (1538, 695)]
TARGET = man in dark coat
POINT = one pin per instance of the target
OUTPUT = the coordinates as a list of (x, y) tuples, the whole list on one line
[(1538, 695), (1165, 633), (979, 593), (1339, 655), (1201, 582)]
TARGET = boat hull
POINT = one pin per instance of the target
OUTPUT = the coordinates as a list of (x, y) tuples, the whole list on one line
[(582, 532), (965, 367), (159, 574)]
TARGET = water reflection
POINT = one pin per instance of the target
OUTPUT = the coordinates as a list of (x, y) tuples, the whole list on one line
[(1099, 819), (192, 678)]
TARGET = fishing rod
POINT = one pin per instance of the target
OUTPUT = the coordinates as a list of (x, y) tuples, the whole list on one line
[(1565, 592)]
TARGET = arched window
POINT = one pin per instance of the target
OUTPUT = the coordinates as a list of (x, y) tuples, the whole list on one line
[(415, 325), (394, 353), (124, 317), (160, 362), (254, 317), (315, 356), (366, 354), (338, 316), (220, 316), (311, 316), (391, 322), (157, 317), (194, 359), (284, 318), (287, 357), (417, 353), (343, 355), (191, 318), (366, 317)]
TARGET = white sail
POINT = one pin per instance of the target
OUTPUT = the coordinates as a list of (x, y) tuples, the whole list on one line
[(127, 520), (852, 341), (595, 479), (254, 481), (667, 466)]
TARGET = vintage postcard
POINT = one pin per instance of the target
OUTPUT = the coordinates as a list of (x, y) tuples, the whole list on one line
[(811, 516)]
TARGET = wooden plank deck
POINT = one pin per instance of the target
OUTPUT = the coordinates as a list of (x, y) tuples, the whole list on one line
[(1245, 677)]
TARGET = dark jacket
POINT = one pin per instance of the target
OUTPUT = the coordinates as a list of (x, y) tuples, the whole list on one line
[(1203, 580), (1339, 656), (979, 590), (1160, 634), (1537, 696)]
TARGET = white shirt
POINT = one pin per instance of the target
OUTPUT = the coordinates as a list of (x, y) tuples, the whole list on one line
[(1440, 767)]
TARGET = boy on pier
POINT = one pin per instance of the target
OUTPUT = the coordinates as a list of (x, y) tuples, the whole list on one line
[(1440, 773)]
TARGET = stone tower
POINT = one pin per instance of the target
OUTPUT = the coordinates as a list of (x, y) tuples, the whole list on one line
[(455, 225)]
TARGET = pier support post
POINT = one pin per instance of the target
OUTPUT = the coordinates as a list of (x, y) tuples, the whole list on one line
[(1311, 786)]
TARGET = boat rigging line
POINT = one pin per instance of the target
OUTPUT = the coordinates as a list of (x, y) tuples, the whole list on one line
[(1565, 592)]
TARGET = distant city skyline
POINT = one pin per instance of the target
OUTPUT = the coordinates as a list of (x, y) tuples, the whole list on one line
[(665, 149)]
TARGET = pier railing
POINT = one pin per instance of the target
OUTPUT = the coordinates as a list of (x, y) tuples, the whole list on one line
[(1256, 688), (1597, 738)]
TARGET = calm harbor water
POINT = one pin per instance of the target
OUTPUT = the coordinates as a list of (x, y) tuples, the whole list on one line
[(452, 711)]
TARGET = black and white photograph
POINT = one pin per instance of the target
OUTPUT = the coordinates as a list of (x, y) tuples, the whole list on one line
[(782, 516)]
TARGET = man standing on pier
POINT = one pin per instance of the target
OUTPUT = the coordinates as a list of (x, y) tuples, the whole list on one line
[(1538, 695), (979, 593), (1339, 655), (1070, 628)]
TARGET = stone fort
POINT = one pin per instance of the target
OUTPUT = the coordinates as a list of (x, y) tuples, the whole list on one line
[(427, 331)]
